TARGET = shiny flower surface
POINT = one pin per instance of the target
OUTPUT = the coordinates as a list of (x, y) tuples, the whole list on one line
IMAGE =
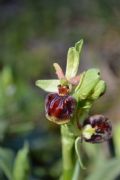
[(59, 107)]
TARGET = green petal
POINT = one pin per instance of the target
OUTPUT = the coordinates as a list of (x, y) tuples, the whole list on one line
[(73, 60), (89, 81), (48, 85)]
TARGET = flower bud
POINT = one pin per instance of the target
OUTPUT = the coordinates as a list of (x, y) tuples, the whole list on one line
[(59, 107), (96, 129)]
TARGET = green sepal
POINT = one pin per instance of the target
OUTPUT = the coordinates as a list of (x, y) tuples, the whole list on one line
[(73, 60), (89, 81), (48, 85)]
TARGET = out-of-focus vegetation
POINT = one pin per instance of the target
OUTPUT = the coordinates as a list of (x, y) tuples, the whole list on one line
[(33, 35)]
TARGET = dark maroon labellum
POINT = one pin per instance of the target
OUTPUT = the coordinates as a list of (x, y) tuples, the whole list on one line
[(59, 107), (97, 129)]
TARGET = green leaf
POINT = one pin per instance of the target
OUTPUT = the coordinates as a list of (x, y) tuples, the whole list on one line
[(73, 60), (89, 81), (108, 171), (48, 85), (21, 164), (77, 149), (6, 162)]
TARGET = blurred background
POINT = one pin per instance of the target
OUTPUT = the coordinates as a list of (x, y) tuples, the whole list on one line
[(33, 35)]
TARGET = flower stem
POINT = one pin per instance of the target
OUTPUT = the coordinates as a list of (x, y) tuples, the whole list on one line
[(76, 175), (68, 155)]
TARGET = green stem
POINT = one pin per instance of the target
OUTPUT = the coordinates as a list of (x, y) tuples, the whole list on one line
[(76, 175), (68, 155)]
